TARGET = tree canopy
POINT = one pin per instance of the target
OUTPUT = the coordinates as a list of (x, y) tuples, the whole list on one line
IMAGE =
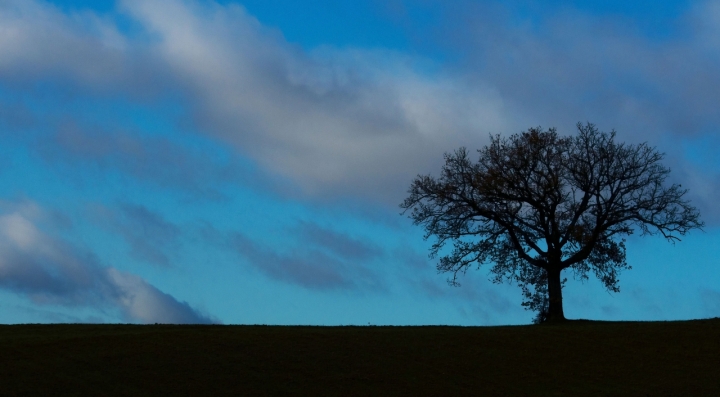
[(537, 203)]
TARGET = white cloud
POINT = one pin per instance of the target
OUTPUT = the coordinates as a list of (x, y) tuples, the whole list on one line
[(360, 122), (50, 271), (348, 121), (19, 231), (81, 50), (142, 302), (37, 40)]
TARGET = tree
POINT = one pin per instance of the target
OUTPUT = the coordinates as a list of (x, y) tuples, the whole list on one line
[(536, 203)]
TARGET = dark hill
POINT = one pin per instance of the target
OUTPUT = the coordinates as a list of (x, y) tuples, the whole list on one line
[(573, 359)]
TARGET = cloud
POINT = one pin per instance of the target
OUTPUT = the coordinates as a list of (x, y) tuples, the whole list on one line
[(52, 272), (154, 159), (40, 42), (568, 66), (475, 297), (331, 120), (322, 259), (310, 256), (351, 122), (704, 189), (564, 65), (315, 270), (306, 266), (334, 121), (340, 244), (149, 235), (145, 303)]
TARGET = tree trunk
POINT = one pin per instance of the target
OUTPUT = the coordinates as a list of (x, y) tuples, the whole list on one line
[(555, 308)]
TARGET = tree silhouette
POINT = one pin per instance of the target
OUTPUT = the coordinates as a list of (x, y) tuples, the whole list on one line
[(537, 203)]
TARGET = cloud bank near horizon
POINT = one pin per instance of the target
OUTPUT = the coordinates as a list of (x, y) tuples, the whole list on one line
[(50, 271)]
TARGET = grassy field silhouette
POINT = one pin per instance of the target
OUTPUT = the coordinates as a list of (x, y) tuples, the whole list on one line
[(577, 358)]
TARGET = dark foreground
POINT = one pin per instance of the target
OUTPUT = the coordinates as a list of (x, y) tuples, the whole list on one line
[(574, 359)]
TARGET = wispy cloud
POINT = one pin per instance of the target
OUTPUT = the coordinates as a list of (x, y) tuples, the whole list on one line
[(307, 266), (312, 270), (571, 66), (149, 235), (322, 264), (357, 122), (50, 271), (323, 259), (41, 42), (332, 120), (337, 243), (154, 159), (335, 121), (557, 65)]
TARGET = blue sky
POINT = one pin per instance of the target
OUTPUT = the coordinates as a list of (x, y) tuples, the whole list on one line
[(231, 162)]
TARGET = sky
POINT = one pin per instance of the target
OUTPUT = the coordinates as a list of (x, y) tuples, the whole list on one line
[(192, 161)]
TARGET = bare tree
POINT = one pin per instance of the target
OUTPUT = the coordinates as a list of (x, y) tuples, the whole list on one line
[(537, 203)]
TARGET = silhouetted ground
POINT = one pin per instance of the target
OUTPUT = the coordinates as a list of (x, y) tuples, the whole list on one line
[(579, 358)]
